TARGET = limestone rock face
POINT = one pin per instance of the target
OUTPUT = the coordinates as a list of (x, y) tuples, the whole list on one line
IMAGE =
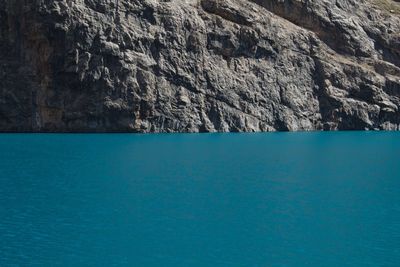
[(199, 65)]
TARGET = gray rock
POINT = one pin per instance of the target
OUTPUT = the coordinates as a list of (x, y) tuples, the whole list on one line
[(199, 66)]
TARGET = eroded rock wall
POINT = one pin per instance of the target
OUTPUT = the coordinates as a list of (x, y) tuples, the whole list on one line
[(198, 66)]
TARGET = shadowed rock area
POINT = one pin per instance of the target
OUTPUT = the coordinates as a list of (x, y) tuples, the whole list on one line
[(199, 66)]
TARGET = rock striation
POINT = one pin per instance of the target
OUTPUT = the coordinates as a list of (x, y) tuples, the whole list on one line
[(199, 65)]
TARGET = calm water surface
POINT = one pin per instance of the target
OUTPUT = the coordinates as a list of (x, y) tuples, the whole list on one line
[(248, 200)]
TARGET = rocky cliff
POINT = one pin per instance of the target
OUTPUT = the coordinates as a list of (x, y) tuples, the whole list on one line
[(199, 65)]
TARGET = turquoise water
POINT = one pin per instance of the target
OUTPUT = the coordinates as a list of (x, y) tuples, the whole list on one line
[(251, 200)]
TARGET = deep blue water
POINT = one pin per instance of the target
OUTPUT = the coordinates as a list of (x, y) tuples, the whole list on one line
[(251, 200)]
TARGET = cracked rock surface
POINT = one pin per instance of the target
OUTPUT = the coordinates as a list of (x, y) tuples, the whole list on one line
[(199, 65)]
